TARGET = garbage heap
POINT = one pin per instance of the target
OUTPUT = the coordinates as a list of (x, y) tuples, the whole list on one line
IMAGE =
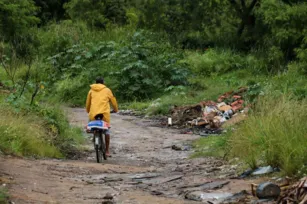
[(295, 194), (230, 107)]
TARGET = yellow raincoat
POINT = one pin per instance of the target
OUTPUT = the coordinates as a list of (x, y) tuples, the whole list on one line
[(98, 102)]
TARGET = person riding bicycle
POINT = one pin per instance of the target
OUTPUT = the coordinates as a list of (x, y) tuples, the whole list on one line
[(98, 102)]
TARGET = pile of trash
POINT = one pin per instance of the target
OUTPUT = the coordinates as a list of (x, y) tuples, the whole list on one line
[(295, 194), (210, 114)]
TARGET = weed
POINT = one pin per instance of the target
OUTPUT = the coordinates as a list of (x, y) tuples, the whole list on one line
[(138, 106), (274, 134)]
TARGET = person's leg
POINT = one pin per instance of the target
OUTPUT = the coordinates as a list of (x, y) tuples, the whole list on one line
[(107, 140)]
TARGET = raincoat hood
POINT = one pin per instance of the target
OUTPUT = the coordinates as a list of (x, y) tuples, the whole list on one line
[(97, 87)]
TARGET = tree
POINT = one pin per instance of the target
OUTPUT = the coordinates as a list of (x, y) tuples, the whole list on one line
[(97, 13), (17, 21), (193, 24), (16, 17), (285, 25), (50, 10), (244, 9)]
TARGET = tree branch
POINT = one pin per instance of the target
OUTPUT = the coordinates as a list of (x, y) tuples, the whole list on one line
[(34, 94)]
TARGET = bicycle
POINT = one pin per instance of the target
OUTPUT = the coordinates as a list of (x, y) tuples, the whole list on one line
[(99, 129)]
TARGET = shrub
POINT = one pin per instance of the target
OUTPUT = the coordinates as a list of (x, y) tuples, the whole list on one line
[(63, 136), (274, 134), (58, 37), (215, 61), (140, 68), (72, 90), (221, 61)]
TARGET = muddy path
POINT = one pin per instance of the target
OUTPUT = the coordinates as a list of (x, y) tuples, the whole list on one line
[(143, 169)]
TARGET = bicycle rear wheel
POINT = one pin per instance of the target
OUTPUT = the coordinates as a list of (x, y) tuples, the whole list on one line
[(98, 145)]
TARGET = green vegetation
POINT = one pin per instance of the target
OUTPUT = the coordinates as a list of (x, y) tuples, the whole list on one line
[(274, 135), (155, 54), (24, 136), (39, 131), (30, 128), (3, 195)]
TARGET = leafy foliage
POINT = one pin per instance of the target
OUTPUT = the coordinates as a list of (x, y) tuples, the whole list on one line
[(140, 68), (17, 25), (98, 13)]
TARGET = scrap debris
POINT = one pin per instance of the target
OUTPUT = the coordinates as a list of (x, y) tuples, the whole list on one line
[(295, 194), (211, 115)]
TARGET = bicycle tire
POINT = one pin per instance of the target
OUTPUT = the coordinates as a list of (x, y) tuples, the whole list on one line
[(103, 146), (98, 148)]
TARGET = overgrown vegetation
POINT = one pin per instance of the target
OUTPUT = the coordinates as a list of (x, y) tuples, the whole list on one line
[(154, 54), (274, 135)]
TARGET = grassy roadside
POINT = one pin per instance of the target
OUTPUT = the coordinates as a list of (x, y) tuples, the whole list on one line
[(274, 134), (38, 130), (44, 132)]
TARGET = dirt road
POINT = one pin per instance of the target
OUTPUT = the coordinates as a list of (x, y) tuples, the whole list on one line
[(143, 169)]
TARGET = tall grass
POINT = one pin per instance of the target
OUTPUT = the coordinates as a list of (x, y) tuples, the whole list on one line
[(221, 61), (215, 61), (24, 135), (40, 131), (274, 134)]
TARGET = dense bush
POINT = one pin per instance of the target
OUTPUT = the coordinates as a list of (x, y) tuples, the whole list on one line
[(139, 68), (98, 13)]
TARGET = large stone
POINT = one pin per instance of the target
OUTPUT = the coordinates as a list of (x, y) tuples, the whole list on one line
[(268, 190)]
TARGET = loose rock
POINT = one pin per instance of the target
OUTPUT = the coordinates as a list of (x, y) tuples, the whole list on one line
[(268, 190)]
